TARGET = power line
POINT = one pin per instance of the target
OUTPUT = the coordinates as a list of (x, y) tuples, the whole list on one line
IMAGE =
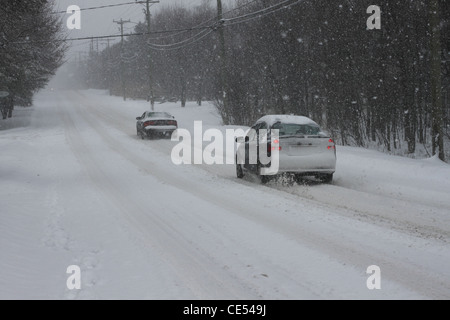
[(177, 43), (240, 7), (199, 27), (256, 12), (105, 6), (265, 14), (272, 9), (182, 32), (204, 22), (155, 46), (80, 44), (111, 36), (188, 44)]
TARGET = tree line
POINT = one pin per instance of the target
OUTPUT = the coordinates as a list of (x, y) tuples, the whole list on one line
[(31, 49), (387, 87)]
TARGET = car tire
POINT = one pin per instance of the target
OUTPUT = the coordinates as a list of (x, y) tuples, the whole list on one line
[(327, 178), (299, 178), (239, 170), (263, 177)]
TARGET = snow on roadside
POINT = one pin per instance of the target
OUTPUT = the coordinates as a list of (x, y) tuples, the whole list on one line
[(57, 210), (51, 219)]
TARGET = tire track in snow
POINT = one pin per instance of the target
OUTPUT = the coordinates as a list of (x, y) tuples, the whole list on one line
[(55, 235), (402, 215), (206, 280), (408, 273)]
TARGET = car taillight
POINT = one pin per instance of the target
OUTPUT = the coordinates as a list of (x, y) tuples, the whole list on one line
[(332, 144), (277, 142), (271, 148), (149, 123), (172, 123)]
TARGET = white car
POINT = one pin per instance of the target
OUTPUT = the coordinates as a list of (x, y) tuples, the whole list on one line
[(156, 124), (304, 149)]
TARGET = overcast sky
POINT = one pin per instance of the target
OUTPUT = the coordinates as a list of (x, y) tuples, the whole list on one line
[(100, 22)]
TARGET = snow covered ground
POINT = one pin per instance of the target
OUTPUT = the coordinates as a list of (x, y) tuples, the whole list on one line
[(77, 187)]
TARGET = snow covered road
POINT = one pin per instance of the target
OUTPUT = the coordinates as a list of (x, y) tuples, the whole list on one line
[(79, 188)]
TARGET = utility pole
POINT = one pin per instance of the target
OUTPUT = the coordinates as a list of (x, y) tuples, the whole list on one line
[(223, 58), (121, 23), (91, 48), (109, 68), (149, 55)]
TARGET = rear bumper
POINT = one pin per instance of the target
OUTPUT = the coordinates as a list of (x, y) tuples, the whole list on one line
[(308, 164), (160, 128), (162, 131)]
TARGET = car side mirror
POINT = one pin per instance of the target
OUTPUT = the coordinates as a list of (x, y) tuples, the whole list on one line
[(240, 139), (138, 118)]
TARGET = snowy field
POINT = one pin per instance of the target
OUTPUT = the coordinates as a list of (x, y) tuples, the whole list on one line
[(77, 187)]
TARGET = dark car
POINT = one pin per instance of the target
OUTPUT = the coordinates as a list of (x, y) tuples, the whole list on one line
[(156, 125)]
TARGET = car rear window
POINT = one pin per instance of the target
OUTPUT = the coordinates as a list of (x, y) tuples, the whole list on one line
[(288, 129), (159, 115)]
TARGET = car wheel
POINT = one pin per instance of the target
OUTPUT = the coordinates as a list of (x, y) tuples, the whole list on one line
[(150, 134), (327, 178), (239, 170), (263, 177), (298, 178)]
